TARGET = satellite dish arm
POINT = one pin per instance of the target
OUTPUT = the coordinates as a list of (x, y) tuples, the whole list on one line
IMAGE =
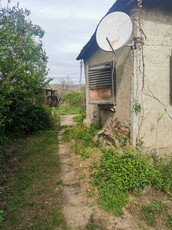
[(110, 45)]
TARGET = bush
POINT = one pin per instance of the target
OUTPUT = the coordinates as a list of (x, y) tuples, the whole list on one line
[(28, 119), (75, 99)]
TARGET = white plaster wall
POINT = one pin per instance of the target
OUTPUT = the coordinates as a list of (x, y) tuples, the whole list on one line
[(123, 64), (155, 119)]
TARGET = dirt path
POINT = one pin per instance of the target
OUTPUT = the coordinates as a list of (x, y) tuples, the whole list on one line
[(76, 212), (81, 211)]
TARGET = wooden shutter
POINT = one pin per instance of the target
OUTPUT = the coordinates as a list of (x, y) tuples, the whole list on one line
[(101, 83)]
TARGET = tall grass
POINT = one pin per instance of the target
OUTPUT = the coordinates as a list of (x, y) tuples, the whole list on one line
[(33, 202)]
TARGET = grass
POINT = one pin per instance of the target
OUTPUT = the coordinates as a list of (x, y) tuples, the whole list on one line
[(95, 224), (82, 137), (33, 200), (66, 109), (168, 221), (113, 200), (150, 212)]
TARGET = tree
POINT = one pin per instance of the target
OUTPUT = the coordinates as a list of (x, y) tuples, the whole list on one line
[(66, 84), (23, 66)]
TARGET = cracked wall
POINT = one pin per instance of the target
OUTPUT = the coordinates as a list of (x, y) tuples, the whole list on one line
[(153, 124)]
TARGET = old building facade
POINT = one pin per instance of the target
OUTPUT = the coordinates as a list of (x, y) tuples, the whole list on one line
[(141, 86)]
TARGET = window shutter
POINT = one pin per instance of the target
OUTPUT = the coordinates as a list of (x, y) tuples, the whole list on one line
[(101, 83)]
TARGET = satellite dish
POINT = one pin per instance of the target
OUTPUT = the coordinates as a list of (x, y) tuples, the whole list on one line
[(114, 31)]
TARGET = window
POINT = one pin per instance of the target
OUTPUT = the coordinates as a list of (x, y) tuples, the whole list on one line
[(101, 79)]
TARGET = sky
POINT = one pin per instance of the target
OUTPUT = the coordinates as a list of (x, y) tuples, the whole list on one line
[(68, 26)]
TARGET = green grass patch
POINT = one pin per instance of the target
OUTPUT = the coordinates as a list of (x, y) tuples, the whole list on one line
[(121, 172), (112, 199), (83, 152), (81, 133), (33, 202), (168, 221), (67, 109), (80, 118), (150, 212), (163, 174), (83, 140)]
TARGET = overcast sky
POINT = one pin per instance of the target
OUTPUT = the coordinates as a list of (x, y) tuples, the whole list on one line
[(68, 25)]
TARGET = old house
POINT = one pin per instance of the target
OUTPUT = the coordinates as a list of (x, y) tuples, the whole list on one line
[(135, 86)]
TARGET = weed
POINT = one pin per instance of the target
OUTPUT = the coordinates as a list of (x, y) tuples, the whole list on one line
[(83, 138), (137, 107), (55, 117), (123, 141), (168, 221), (2, 217), (163, 174), (84, 153), (79, 119), (82, 177), (120, 172), (128, 171), (149, 212), (90, 192), (81, 133), (94, 224), (139, 143), (112, 199)]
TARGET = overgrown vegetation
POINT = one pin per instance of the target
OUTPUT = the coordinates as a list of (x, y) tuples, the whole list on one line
[(123, 172), (82, 137), (32, 196), (76, 99), (23, 70), (73, 103), (67, 109), (150, 212)]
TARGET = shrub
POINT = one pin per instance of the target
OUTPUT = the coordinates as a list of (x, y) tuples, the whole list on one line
[(29, 119), (75, 99)]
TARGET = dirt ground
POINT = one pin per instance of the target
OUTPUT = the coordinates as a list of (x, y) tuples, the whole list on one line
[(80, 209)]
